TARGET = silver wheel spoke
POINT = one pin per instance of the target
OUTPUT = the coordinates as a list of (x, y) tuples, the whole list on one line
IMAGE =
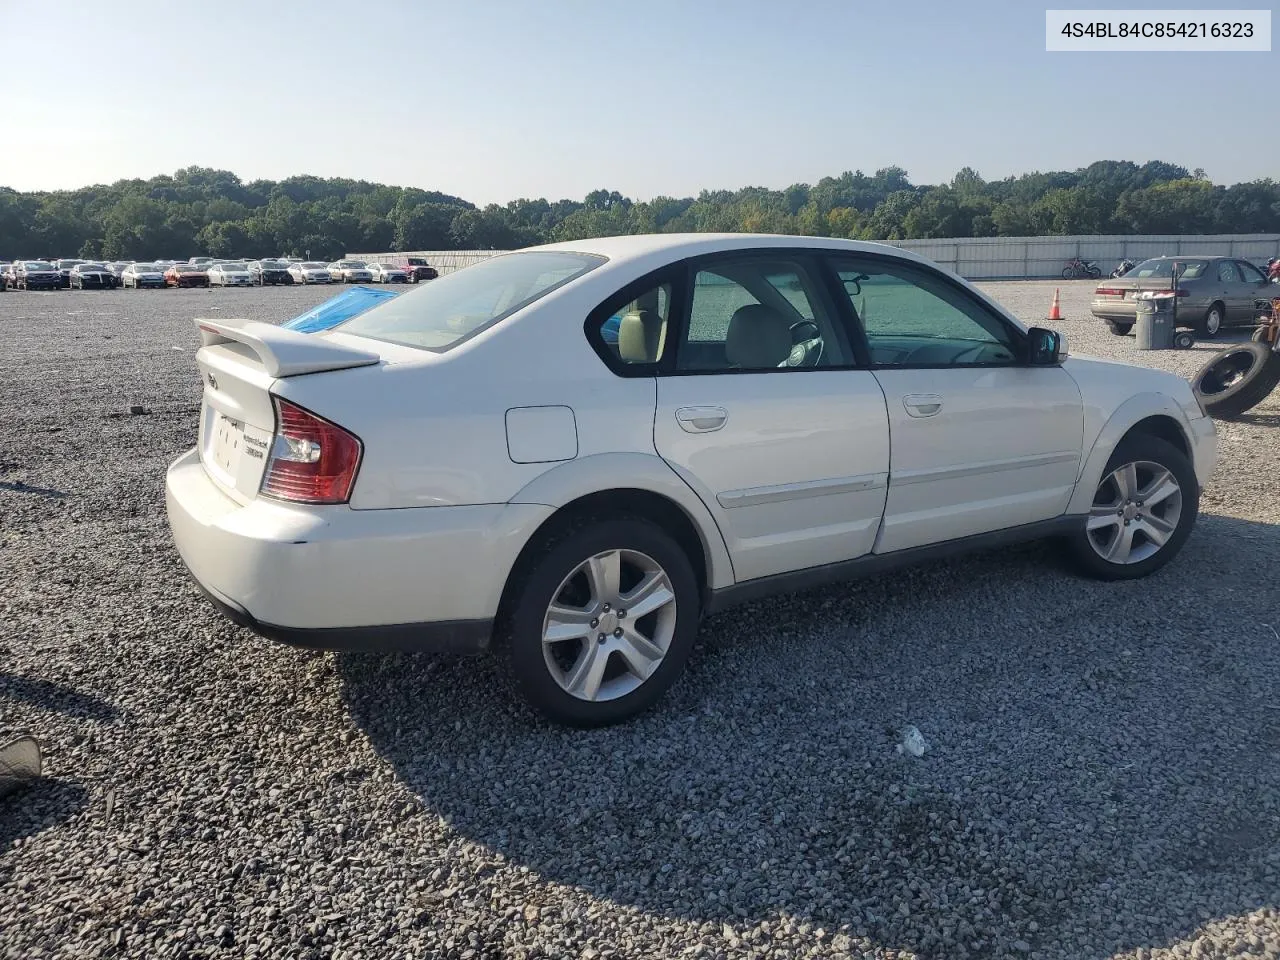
[(1126, 478), (605, 573), (652, 593), (1157, 529), (641, 654), (1102, 517), (566, 623), (588, 672), (1121, 546), (1161, 488)]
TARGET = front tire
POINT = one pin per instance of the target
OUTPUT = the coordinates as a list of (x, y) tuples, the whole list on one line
[(1068, 273), (602, 621), (1142, 511), (1095, 273)]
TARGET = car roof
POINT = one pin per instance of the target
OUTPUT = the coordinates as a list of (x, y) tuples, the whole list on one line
[(1193, 256), (681, 245)]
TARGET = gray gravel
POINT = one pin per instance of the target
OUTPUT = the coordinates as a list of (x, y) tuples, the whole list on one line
[(1102, 777)]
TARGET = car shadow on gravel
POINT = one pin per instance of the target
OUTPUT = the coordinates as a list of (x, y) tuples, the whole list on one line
[(1100, 777), (57, 697), (31, 809)]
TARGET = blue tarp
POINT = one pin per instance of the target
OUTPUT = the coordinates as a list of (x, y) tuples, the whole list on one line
[(337, 309)]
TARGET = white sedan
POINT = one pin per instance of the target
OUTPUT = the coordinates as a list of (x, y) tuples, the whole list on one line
[(138, 275), (310, 272), (576, 451), (230, 275), (388, 273), (349, 271)]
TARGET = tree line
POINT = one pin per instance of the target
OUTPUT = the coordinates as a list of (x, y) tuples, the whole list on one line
[(199, 210)]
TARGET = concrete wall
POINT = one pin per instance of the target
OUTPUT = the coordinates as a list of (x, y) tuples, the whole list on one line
[(993, 258)]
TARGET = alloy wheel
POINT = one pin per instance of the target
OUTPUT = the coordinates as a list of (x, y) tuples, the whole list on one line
[(609, 625), (1135, 511)]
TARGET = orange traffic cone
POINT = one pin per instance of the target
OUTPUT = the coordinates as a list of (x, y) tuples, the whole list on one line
[(1055, 311)]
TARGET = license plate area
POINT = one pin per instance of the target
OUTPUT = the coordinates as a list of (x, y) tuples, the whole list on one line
[(227, 444)]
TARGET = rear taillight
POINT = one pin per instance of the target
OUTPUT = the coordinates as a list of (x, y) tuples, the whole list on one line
[(311, 460), (1108, 292)]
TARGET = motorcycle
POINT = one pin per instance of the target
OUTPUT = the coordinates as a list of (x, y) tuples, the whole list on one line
[(1077, 268), (1125, 266), (1237, 379)]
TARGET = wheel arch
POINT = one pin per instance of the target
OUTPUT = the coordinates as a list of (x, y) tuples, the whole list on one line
[(1150, 414), (632, 484)]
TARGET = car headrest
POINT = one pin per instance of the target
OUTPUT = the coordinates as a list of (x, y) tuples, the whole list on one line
[(640, 336), (758, 338)]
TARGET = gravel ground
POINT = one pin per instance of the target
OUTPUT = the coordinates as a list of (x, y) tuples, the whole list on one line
[(1102, 776)]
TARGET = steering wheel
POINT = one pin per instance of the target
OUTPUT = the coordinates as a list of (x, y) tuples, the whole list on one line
[(807, 345)]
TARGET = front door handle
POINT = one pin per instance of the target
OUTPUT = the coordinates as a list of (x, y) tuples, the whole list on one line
[(701, 419), (922, 404)]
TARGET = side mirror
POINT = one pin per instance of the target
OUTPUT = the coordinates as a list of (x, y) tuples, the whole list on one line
[(1046, 348)]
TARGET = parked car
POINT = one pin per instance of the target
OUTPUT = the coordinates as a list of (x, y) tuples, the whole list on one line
[(92, 276), (36, 275), (270, 272), (64, 271), (201, 261), (349, 271), (418, 269), (186, 275), (311, 271), (387, 273), (1212, 293), (117, 268), (139, 275), (230, 275), (472, 460)]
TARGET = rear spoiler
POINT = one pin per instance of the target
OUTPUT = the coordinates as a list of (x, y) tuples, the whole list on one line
[(284, 353)]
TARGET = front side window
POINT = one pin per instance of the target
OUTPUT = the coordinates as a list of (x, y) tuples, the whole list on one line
[(1250, 273), (753, 313), (449, 310), (913, 317)]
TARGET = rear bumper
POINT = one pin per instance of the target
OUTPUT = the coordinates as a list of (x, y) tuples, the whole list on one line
[(427, 578)]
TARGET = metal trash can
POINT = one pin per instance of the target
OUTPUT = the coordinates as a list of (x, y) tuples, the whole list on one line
[(1155, 323)]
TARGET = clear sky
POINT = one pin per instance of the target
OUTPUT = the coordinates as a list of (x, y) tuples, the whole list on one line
[(497, 99)]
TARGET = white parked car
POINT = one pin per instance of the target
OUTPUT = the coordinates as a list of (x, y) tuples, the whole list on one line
[(387, 273), (349, 271), (137, 275), (576, 451), (230, 275), (310, 272)]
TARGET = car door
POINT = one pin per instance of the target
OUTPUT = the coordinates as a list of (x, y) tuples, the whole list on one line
[(1255, 288), (763, 411), (981, 440), (1231, 291)]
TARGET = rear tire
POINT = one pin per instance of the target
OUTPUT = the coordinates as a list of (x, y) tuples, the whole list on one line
[(1095, 273), (1211, 322), (1142, 511), (1068, 273), (1237, 379), (1119, 329), (570, 573)]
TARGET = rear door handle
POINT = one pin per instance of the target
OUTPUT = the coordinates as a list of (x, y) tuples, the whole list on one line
[(922, 404), (701, 419)]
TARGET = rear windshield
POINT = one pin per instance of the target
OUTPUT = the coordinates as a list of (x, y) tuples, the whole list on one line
[(39, 265), (449, 310), (188, 268), (271, 265), (1188, 269)]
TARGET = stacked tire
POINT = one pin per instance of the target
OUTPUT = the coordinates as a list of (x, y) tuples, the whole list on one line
[(1239, 378)]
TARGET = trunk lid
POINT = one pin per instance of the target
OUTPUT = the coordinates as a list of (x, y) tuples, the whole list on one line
[(239, 362)]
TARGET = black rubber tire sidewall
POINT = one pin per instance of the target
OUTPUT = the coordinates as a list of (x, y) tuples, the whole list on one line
[(1250, 391), (1130, 449), (558, 556), (1119, 329)]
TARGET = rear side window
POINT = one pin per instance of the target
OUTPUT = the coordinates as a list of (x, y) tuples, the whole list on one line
[(1227, 272), (635, 333), (455, 307)]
